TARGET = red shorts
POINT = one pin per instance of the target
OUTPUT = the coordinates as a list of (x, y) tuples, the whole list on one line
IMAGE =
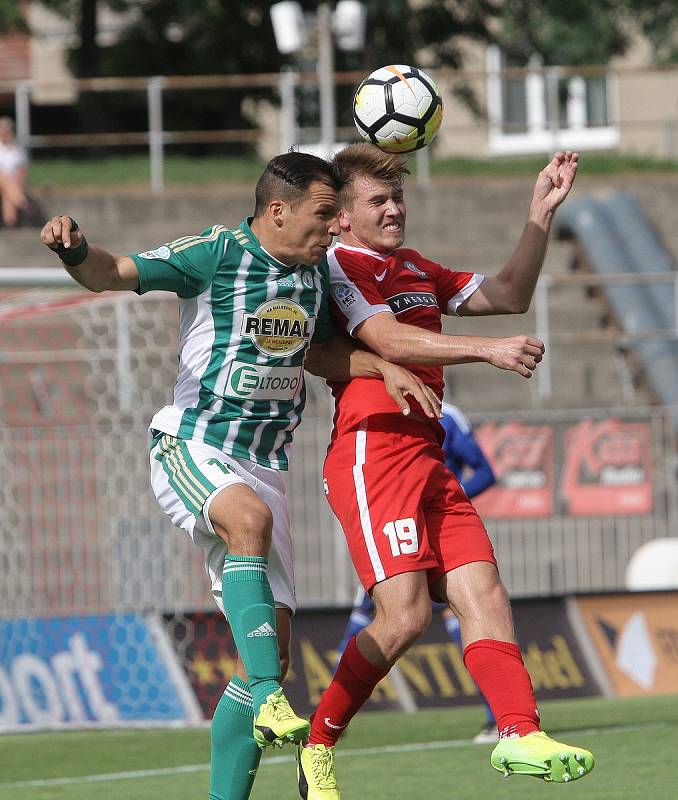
[(400, 507)]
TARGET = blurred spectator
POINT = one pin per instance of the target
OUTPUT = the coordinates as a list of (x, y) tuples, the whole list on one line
[(13, 174)]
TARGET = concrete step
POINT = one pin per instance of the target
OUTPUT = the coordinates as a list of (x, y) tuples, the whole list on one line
[(469, 224)]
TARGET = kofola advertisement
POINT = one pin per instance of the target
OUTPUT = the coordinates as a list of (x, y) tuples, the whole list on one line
[(607, 468), (521, 455), (591, 467)]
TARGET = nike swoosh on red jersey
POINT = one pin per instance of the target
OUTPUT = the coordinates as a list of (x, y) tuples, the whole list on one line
[(380, 277)]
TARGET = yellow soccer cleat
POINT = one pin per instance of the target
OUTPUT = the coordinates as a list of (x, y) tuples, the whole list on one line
[(276, 723), (316, 773), (538, 755)]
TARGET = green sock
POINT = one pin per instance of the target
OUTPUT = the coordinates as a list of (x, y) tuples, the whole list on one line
[(235, 754), (250, 609)]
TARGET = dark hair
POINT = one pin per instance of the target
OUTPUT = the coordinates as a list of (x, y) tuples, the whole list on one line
[(367, 159), (288, 176)]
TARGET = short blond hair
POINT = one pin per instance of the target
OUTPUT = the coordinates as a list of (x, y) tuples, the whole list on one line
[(368, 160)]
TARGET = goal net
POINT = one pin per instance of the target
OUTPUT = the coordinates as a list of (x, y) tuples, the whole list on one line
[(97, 586)]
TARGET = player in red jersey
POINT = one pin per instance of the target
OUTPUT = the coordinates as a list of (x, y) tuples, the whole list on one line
[(412, 532)]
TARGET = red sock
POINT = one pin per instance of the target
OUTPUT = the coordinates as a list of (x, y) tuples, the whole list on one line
[(499, 673), (350, 688)]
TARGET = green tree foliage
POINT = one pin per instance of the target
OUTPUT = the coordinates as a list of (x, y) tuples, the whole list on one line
[(10, 16), (580, 32), (573, 33), (658, 21)]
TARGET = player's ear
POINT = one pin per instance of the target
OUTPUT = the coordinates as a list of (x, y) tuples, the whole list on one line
[(276, 209), (344, 220)]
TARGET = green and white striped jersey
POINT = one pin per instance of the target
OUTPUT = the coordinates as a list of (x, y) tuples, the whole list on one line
[(246, 320)]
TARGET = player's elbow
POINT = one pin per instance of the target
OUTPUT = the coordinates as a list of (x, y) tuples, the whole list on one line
[(520, 305)]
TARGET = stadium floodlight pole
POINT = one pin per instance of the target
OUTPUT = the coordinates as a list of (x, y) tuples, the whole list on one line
[(346, 22), (325, 67), (22, 113), (156, 136)]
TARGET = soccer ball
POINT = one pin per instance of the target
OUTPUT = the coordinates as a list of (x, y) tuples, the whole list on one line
[(398, 108)]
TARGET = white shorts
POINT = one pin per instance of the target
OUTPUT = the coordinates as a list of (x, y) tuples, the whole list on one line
[(187, 475)]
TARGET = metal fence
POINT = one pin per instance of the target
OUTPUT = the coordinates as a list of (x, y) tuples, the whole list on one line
[(554, 110), (81, 375)]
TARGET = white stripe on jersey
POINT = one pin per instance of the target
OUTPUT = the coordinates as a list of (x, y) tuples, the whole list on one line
[(196, 338), (363, 506), (239, 308), (360, 309), (205, 416), (464, 293)]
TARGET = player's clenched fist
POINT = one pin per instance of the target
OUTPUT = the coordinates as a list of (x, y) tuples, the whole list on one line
[(61, 231), (519, 354)]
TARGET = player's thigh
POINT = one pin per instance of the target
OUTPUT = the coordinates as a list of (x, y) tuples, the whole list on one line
[(187, 476), (456, 532), (377, 498), (239, 516), (269, 486)]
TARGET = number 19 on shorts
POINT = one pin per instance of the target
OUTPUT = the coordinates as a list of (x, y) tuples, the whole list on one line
[(402, 536)]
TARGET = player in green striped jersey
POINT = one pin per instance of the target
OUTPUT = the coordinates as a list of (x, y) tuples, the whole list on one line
[(252, 300)]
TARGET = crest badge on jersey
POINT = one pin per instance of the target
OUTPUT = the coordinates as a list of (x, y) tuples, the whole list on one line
[(279, 327), (414, 268), (307, 279)]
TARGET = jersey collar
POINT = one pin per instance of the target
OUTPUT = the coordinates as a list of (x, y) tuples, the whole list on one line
[(246, 238), (364, 250)]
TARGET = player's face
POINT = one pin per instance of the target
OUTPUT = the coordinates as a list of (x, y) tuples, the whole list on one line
[(376, 219), (310, 225)]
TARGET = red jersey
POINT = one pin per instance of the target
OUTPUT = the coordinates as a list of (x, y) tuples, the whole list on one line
[(416, 290)]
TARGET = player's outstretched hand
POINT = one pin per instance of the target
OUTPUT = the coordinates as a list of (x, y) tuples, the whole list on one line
[(555, 181), (519, 354), (62, 230), (400, 383)]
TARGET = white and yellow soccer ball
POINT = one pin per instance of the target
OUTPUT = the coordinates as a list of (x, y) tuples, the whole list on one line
[(398, 108)]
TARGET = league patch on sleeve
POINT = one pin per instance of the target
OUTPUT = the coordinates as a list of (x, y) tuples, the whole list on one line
[(344, 294)]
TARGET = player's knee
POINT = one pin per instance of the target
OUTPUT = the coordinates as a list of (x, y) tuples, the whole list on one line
[(408, 625), (252, 531)]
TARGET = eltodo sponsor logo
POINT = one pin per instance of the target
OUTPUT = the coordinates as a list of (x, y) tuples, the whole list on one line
[(279, 327), (252, 381)]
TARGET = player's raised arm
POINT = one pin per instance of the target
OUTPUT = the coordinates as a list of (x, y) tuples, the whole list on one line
[(92, 267), (407, 344), (511, 290)]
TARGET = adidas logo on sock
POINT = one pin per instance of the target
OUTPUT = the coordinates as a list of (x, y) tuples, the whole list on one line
[(263, 630)]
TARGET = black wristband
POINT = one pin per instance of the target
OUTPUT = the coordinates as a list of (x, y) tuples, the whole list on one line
[(73, 256)]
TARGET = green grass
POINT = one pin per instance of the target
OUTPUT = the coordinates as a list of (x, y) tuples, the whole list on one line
[(135, 170), (592, 164), (633, 740), (180, 170)]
